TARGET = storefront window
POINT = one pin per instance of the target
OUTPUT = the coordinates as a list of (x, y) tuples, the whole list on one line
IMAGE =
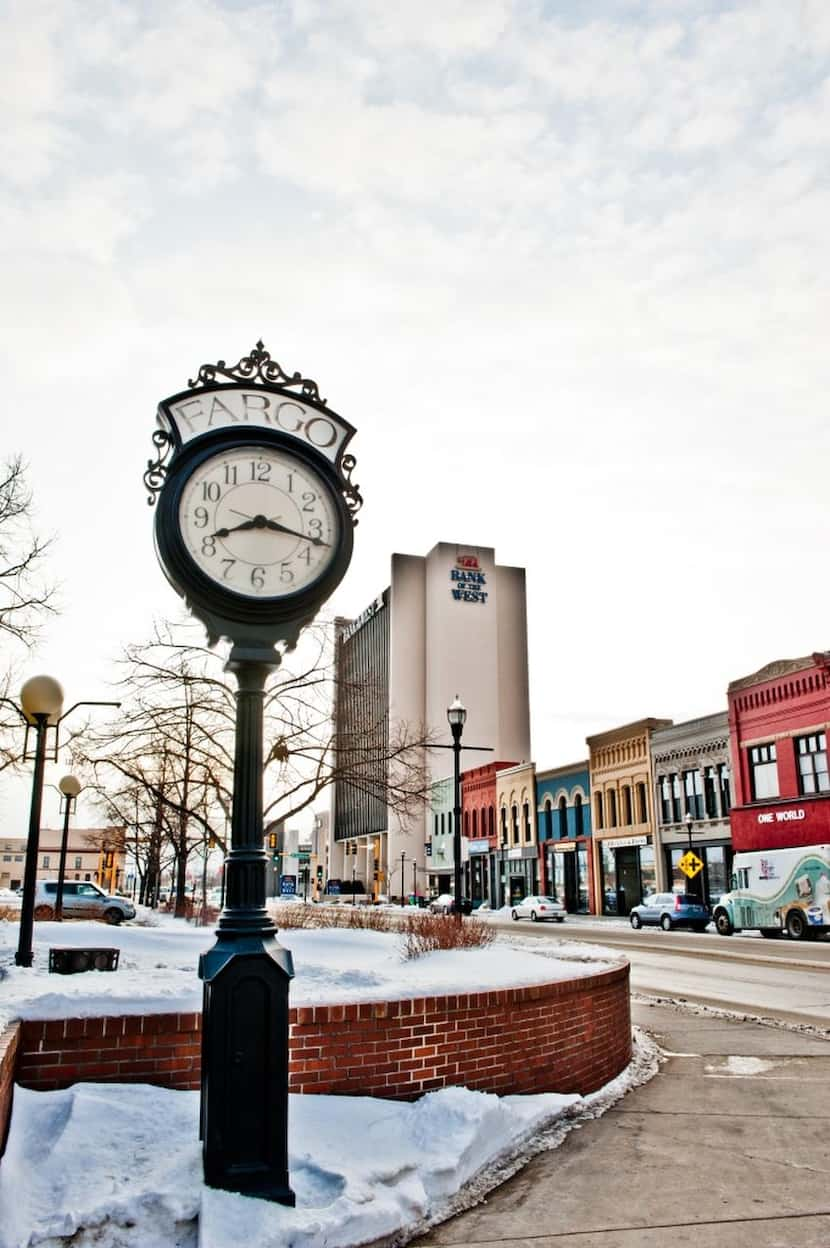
[(609, 881), (717, 872), (677, 880), (559, 876), (582, 880), (648, 872)]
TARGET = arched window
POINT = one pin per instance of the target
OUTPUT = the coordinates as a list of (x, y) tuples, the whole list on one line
[(491, 821), (526, 819), (579, 816), (626, 805), (563, 818), (475, 825), (504, 825), (548, 821), (466, 824), (612, 808), (599, 814), (514, 819)]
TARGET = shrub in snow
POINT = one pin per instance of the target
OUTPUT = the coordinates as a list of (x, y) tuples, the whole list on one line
[(424, 933)]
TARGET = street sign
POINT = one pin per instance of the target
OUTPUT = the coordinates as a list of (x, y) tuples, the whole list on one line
[(303, 857), (690, 864)]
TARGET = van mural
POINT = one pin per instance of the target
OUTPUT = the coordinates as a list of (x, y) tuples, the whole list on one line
[(778, 890)]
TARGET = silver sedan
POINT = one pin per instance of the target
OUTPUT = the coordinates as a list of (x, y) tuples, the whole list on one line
[(537, 909)]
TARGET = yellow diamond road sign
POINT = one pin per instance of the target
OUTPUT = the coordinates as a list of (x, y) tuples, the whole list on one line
[(690, 864)]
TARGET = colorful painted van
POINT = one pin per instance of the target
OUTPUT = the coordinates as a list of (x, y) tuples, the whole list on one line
[(778, 890)]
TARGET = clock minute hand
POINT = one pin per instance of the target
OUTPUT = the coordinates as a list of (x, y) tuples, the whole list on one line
[(282, 528)]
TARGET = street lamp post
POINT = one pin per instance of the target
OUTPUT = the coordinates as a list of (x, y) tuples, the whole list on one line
[(690, 823), (70, 787), (41, 700), (403, 884), (41, 708), (456, 715)]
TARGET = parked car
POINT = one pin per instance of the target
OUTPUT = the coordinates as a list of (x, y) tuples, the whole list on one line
[(442, 904), (81, 900), (670, 910), (538, 909)]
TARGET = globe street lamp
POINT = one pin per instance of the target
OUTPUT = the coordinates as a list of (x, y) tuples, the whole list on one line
[(41, 708), (456, 715), (690, 823), (70, 787), (41, 704)]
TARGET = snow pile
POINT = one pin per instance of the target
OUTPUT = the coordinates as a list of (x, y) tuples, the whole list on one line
[(157, 970), (89, 1159)]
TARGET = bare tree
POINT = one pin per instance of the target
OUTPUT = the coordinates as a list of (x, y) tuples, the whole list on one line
[(26, 599), (173, 743)]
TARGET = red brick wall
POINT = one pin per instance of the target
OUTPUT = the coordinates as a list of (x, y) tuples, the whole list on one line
[(571, 1036), (9, 1043), (164, 1049)]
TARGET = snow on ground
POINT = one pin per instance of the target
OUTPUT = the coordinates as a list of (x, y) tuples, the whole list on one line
[(85, 1164), (157, 970)]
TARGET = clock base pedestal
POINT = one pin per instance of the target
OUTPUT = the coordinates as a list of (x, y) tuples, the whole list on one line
[(244, 1105), (246, 975)]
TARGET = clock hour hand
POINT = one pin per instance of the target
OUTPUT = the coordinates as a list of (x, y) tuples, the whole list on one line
[(246, 524)]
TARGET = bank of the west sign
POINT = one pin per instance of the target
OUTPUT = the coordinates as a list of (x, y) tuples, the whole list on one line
[(467, 580)]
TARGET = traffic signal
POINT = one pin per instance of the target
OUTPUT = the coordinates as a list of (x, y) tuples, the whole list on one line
[(272, 840), (320, 874)]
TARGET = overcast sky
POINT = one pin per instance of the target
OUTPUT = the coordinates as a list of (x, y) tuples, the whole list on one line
[(565, 267)]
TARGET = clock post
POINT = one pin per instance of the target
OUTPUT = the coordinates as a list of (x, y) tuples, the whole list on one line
[(254, 529)]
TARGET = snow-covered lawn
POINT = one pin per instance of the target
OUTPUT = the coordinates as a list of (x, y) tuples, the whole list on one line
[(157, 970), (119, 1166)]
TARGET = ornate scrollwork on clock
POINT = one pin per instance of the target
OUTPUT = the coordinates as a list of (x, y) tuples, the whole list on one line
[(257, 367), (156, 471)]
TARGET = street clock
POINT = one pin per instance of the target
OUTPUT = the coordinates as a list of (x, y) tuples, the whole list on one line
[(256, 508)]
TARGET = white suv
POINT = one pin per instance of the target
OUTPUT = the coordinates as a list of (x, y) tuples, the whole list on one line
[(81, 900)]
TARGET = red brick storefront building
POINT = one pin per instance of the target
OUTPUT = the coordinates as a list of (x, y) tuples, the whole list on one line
[(480, 827), (779, 719)]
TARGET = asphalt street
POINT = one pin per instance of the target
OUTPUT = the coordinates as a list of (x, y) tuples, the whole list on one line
[(779, 979)]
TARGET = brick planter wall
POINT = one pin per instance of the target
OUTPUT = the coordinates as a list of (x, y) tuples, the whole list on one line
[(164, 1049), (9, 1046), (569, 1036)]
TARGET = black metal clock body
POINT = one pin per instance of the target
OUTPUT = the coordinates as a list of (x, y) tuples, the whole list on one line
[(253, 531)]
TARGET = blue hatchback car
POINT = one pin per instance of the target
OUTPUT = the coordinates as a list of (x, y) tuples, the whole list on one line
[(669, 910)]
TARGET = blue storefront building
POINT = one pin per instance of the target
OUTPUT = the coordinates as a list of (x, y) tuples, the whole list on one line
[(563, 812)]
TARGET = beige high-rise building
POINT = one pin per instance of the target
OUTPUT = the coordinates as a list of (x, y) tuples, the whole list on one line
[(451, 623)]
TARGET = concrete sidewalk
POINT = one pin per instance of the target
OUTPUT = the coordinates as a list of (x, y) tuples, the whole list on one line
[(727, 1147)]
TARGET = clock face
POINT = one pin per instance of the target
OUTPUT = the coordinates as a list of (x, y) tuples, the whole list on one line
[(259, 521)]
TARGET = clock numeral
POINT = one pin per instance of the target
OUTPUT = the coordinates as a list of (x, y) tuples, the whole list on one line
[(200, 517), (230, 474), (315, 528), (258, 578), (309, 499), (211, 491), (260, 471), (229, 564), (305, 554), (209, 546), (286, 573), (290, 482)]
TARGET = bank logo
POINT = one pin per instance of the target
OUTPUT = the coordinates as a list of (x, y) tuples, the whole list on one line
[(469, 562)]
